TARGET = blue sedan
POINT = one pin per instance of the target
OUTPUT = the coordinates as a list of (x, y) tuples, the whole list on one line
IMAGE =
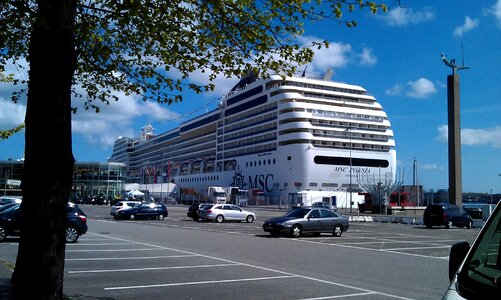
[(144, 211)]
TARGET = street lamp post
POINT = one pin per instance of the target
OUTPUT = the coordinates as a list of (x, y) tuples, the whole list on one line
[(351, 195)]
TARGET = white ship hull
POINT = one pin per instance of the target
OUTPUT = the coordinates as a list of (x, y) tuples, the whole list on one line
[(278, 136)]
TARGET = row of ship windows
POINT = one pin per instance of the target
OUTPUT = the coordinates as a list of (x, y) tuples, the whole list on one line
[(247, 133), (336, 145), (337, 134), (347, 146), (263, 162), (338, 98), (273, 84), (256, 111), (199, 179), (249, 141), (339, 114), (249, 150), (336, 124)]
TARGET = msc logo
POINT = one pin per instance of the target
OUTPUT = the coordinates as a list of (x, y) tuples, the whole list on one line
[(259, 181)]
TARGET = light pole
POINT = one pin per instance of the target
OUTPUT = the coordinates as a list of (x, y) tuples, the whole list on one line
[(351, 195)]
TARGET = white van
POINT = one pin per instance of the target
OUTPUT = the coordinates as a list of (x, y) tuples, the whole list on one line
[(475, 271)]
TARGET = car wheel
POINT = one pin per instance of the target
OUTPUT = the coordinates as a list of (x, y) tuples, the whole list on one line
[(428, 226), (3, 234), (296, 231), (448, 225), (219, 218), (469, 225), (71, 234), (132, 217), (196, 218), (338, 230), (249, 219), (161, 217)]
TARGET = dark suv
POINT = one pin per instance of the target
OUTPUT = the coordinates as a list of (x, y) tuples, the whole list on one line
[(446, 215), (76, 222)]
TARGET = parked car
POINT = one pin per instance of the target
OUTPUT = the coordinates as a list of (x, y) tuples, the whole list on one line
[(302, 220), (4, 200), (324, 205), (475, 271), (446, 215), (194, 210), (226, 212), (76, 222), (7, 206), (122, 205), (144, 211)]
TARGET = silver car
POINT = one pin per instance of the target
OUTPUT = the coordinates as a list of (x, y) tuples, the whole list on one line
[(120, 205), (226, 212), (307, 220)]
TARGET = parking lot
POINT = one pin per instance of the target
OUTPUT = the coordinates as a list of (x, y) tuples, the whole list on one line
[(181, 259)]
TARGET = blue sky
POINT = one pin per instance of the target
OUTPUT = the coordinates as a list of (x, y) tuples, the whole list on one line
[(395, 56)]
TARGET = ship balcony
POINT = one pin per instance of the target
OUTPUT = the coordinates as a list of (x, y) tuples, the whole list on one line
[(294, 115), (295, 136), (295, 125)]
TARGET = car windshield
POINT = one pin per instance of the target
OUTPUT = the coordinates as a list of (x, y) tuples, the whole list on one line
[(297, 213), (10, 208), (482, 268)]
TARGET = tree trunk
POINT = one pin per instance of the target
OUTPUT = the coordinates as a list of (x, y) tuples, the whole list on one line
[(48, 165)]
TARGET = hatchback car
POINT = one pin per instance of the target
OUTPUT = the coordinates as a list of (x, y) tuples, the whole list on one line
[(194, 210), (122, 205), (446, 215), (76, 222), (226, 212), (307, 220), (144, 211)]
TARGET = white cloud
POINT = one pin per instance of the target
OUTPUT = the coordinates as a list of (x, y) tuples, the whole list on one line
[(336, 56), (431, 167), (367, 57), (474, 137), (117, 119), (395, 90), (421, 88), (11, 114), (496, 11), (469, 24), (400, 17)]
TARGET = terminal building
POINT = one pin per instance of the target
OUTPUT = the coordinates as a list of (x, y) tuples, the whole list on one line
[(105, 179)]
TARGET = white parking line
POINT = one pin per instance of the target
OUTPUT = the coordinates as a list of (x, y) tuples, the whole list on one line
[(195, 283), (339, 296), (115, 250), (128, 258), (417, 248), (285, 274), (368, 249), (99, 244), (153, 268)]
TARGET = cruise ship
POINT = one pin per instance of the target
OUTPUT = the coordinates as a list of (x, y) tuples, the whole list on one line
[(291, 138)]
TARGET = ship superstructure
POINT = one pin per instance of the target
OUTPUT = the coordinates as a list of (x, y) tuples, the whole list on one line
[(279, 135)]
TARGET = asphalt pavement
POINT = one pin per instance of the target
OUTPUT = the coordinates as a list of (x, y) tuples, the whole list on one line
[(5, 286)]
